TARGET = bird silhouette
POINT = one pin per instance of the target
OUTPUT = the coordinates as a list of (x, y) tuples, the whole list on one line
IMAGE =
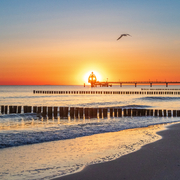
[(123, 35)]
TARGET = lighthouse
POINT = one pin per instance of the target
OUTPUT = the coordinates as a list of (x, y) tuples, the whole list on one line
[(92, 79)]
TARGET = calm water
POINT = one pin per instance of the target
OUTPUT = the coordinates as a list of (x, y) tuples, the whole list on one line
[(30, 145)]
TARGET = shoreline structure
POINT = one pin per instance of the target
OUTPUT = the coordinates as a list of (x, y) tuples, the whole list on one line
[(154, 157)]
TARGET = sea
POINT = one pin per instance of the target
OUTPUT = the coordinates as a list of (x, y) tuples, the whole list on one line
[(36, 147)]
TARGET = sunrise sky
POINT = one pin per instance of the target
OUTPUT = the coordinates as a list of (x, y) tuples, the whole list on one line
[(57, 42)]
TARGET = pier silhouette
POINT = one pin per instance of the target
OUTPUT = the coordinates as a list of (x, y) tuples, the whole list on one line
[(94, 83)]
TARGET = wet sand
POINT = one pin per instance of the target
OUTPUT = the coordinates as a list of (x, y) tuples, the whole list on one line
[(156, 161)]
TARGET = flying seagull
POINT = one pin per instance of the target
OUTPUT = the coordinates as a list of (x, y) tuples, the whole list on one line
[(123, 35)]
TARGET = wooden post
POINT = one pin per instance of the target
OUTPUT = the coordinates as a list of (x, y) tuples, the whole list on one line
[(115, 112), (25, 109), (5, 109), (29, 108), (19, 110), (124, 112), (138, 112), (178, 113), (80, 110), (105, 112), (55, 111), (134, 112), (129, 112), (65, 112), (165, 113), (169, 113), (34, 109), (174, 113), (11, 109), (143, 112), (148, 112), (61, 112), (90, 113), (86, 112), (44, 113), (2, 109), (100, 112), (76, 112), (72, 112), (151, 112), (49, 111), (111, 112), (39, 110), (160, 113), (156, 112), (119, 112), (94, 112)]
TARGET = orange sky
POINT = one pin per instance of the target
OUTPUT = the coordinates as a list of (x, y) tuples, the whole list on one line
[(41, 52)]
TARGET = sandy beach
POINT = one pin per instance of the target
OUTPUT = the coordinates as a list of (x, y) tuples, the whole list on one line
[(156, 161)]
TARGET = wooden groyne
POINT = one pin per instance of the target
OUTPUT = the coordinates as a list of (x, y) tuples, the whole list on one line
[(86, 113), (110, 92)]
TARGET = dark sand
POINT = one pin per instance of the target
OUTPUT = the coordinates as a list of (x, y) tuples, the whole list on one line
[(156, 161)]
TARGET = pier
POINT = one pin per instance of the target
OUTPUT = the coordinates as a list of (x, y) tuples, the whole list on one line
[(94, 83), (135, 83)]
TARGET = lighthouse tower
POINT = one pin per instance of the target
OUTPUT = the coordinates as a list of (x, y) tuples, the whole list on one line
[(92, 79)]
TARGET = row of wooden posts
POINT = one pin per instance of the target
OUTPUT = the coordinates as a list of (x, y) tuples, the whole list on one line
[(110, 92), (80, 112)]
